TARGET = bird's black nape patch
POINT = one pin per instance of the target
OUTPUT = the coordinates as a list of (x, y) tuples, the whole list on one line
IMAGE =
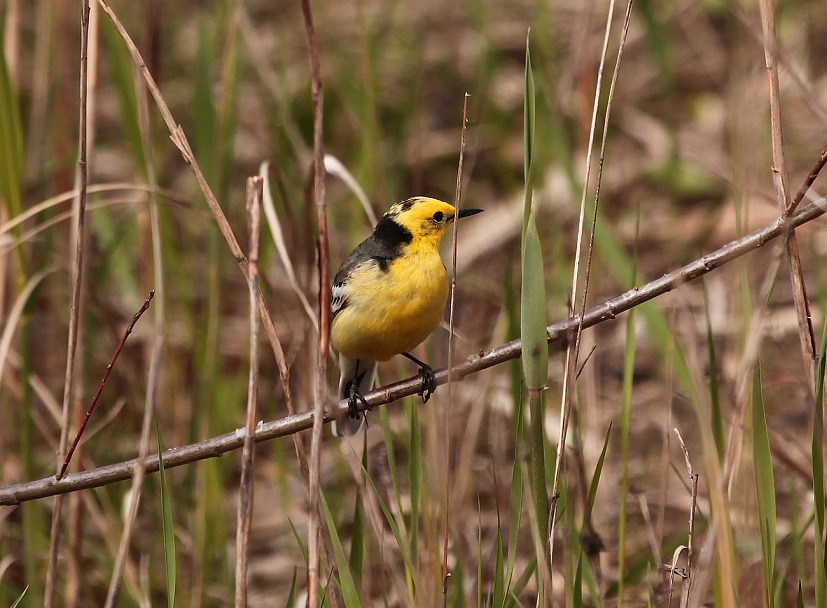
[(391, 235)]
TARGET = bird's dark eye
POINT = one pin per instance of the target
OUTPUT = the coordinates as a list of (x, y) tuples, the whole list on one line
[(439, 216)]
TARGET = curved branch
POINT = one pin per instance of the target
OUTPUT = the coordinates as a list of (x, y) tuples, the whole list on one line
[(216, 446)]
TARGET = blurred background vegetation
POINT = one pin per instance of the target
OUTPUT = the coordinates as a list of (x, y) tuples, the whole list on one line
[(688, 168)]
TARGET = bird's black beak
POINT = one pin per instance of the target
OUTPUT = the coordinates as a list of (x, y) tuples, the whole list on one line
[(467, 212)]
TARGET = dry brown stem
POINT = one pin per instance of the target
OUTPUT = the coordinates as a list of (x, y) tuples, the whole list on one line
[(573, 352), (447, 414), (245, 490), (180, 140), (79, 210), (320, 394), (780, 179)]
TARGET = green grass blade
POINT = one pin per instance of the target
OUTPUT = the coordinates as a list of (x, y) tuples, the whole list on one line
[(516, 502), (401, 541), (533, 311), (657, 35), (203, 107), (515, 372), (298, 538), (11, 142), (778, 586), (498, 597), (598, 470), (625, 426), (528, 134), (479, 555), (577, 587), (168, 525), (20, 598), (764, 485), (291, 597), (357, 541), (347, 585), (521, 583), (414, 476), (387, 435), (817, 455), (714, 394), (535, 365), (228, 111)]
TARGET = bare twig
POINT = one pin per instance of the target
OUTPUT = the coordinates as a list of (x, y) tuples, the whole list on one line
[(320, 394), (811, 177), (77, 509), (156, 356), (245, 490), (557, 332), (77, 274), (134, 495), (109, 367), (447, 414), (779, 162)]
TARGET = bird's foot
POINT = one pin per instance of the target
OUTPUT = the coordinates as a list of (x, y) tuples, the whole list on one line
[(426, 372), (428, 382), (353, 400)]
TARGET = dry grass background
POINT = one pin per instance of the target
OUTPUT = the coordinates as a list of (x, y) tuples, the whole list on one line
[(689, 154)]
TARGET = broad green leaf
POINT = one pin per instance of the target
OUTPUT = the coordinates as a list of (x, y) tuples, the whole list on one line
[(533, 311)]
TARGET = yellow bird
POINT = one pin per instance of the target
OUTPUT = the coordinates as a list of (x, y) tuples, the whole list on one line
[(388, 296)]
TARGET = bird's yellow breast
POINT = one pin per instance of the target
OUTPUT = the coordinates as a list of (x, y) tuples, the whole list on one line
[(392, 311)]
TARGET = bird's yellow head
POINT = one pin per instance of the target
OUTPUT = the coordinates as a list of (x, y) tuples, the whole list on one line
[(426, 219)]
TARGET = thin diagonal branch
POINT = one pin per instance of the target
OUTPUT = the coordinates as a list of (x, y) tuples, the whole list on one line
[(180, 140), (105, 377), (556, 333)]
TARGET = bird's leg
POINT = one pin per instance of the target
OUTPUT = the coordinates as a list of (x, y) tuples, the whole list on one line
[(355, 396), (353, 399), (428, 378)]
